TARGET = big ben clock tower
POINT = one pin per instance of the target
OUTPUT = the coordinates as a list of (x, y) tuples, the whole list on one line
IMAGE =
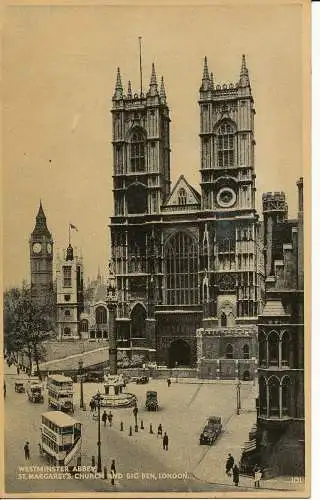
[(41, 256)]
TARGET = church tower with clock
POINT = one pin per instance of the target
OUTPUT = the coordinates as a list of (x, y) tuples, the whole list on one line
[(41, 258)]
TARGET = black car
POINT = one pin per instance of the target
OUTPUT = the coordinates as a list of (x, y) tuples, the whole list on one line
[(142, 380), (211, 430)]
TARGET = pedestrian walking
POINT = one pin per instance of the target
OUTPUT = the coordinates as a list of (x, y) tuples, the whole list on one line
[(110, 417), (229, 464), (27, 451), (257, 474), (104, 418), (165, 441), (159, 433), (169, 382), (113, 471), (236, 474)]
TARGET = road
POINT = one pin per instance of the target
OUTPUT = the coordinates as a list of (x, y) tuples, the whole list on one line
[(180, 414)]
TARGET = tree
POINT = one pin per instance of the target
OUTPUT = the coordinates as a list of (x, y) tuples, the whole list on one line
[(27, 324)]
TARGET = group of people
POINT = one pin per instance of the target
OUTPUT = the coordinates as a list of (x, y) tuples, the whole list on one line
[(106, 417), (165, 438), (232, 469)]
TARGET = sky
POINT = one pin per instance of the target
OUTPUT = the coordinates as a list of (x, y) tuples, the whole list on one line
[(59, 68)]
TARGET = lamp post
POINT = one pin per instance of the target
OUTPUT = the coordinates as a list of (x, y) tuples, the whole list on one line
[(98, 399), (238, 398), (81, 384)]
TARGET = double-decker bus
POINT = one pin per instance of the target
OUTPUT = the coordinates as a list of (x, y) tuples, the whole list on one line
[(60, 438), (60, 393)]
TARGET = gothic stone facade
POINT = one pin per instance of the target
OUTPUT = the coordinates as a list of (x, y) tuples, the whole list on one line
[(186, 261), (280, 436)]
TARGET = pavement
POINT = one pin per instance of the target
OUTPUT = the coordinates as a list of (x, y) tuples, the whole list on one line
[(185, 467)]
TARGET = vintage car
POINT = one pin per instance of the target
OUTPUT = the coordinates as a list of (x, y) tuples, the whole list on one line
[(152, 401), (19, 387), (211, 430), (142, 380)]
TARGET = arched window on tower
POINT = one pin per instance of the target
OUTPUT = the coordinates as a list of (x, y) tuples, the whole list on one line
[(246, 351), (225, 145), (182, 197), (137, 151), (101, 315)]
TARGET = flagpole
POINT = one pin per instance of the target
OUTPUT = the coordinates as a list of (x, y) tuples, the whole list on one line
[(140, 60), (69, 234)]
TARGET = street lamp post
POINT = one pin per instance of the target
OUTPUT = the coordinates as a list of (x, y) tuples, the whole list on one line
[(99, 466), (81, 384), (111, 300), (238, 398)]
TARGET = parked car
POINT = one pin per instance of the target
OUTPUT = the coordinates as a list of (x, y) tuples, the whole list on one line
[(142, 380), (152, 401), (211, 430)]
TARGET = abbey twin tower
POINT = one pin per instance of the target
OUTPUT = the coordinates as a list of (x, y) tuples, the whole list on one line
[(188, 263)]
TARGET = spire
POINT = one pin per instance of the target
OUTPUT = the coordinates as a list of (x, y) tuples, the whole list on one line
[(41, 228), (153, 89), (206, 82), (118, 91), (163, 96), (244, 74), (129, 94)]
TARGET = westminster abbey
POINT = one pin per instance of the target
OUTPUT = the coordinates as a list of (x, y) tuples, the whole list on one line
[(188, 263)]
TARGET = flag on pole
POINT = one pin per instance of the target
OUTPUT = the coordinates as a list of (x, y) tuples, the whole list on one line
[(73, 227)]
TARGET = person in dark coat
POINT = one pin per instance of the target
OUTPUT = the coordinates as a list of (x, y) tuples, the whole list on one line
[(104, 418), (236, 474), (165, 441), (110, 417), (169, 382), (229, 464), (113, 471), (27, 451), (159, 433)]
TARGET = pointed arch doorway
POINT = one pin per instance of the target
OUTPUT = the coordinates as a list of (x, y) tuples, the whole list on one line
[(179, 353), (138, 321)]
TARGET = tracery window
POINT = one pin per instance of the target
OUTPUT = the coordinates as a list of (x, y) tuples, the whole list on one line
[(225, 145), (101, 315), (181, 262), (246, 351), (182, 197), (137, 152)]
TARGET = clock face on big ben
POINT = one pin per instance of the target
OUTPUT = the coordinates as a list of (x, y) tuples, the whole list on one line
[(36, 247)]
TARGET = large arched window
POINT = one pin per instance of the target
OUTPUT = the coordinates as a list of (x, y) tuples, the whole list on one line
[(182, 197), (137, 151), (286, 390), (262, 339), (181, 267), (226, 145), (285, 348), (229, 351), (273, 349), (262, 396), (101, 315), (137, 201), (138, 321), (274, 404)]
